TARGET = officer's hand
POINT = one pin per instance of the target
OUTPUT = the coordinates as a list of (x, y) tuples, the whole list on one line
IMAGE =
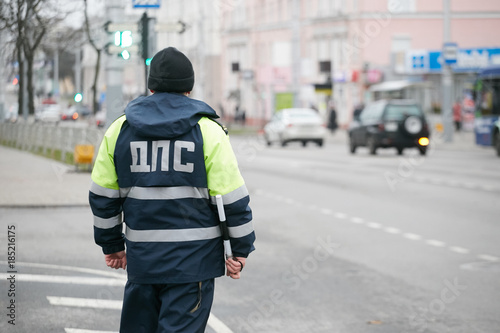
[(116, 260), (234, 266)]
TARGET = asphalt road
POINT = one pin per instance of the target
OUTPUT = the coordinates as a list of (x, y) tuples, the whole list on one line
[(345, 243)]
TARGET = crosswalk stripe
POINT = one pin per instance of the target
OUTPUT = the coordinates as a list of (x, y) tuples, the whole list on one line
[(85, 302), (77, 330), (64, 279), (215, 323)]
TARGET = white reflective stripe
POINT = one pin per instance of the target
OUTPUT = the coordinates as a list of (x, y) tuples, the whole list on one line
[(108, 223), (164, 193), (172, 235), (233, 196), (103, 191), (241, 231)]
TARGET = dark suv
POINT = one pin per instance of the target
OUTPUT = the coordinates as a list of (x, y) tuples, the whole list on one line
[(390, 123)]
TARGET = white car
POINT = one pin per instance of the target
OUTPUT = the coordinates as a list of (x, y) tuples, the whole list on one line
[(50, 113), (295, 124)]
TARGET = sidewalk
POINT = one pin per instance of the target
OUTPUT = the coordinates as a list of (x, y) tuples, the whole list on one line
[(30, 180)]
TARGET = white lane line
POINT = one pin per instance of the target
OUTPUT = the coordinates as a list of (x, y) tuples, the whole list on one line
[(77, 330), (436, 243), (85, 302), (374, 225), (326, 211), (411, 236), (392, 230), (81, 280), (488, 257), (340, 215), (396, 231), (357, 220), (217, 325), (459, 249)]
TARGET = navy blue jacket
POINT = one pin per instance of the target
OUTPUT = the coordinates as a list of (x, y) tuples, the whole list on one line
[(158, 170)]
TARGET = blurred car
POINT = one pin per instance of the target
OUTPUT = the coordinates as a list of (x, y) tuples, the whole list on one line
[(100, 118), (295, 124), (390, 123), (70, 113), (49, 113)]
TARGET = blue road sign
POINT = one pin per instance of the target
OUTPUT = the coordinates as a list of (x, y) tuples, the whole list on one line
[(146, 3)]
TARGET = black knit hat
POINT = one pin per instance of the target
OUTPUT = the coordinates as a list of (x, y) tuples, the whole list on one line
[(171, 71)]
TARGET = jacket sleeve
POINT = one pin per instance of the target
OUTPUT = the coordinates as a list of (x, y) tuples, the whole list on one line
[(224, 178), (104, 194)]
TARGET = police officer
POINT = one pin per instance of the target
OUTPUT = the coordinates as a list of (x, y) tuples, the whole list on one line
[(158, 170)]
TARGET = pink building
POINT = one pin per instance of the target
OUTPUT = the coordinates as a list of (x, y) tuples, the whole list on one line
[(277, 53)]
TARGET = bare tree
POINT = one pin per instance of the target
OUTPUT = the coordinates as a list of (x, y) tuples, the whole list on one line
[(27, 26), (98, 61), (35, 28)]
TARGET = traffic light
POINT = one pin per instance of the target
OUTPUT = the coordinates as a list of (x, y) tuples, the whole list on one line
[(123, 39), (78, 97)]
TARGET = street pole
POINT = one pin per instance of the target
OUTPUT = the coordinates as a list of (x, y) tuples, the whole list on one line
[(115, 12), (296, 52), (2, 81), (447, 79), (78, 70)]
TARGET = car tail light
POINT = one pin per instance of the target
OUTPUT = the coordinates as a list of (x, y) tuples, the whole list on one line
[(289, 125), (423, 141)]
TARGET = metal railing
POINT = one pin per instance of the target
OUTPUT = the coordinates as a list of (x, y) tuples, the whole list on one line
[(56, 142)]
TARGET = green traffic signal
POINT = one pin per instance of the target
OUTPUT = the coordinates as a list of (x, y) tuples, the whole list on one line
[(148, 61), (78, 97), (125, 54)]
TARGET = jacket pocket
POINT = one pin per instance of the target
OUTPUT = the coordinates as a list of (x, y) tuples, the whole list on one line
[(198, 303)]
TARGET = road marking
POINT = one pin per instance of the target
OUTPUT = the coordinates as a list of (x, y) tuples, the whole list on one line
[(215, 323), (340, 215), (396, 231), (459, 249), (392, 230), (411, 236), (71, 268), (357, 220), (85, 302), (487, 257), (81, 280), (374, 225), (436, 243), (327, 211), (76, 330)]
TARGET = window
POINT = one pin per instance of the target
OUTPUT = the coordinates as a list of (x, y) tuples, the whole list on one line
[(399, 112), (401, 6)]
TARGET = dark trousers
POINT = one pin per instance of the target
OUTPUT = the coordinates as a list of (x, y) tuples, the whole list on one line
[(166, 308)]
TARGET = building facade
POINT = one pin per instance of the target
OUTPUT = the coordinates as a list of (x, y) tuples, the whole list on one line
[(324, 53)]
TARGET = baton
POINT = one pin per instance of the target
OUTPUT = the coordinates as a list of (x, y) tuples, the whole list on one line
[(225, 231)]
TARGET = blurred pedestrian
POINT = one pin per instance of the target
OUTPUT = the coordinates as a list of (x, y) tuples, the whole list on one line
[(457, 115), (332, 119), (159, 168)]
